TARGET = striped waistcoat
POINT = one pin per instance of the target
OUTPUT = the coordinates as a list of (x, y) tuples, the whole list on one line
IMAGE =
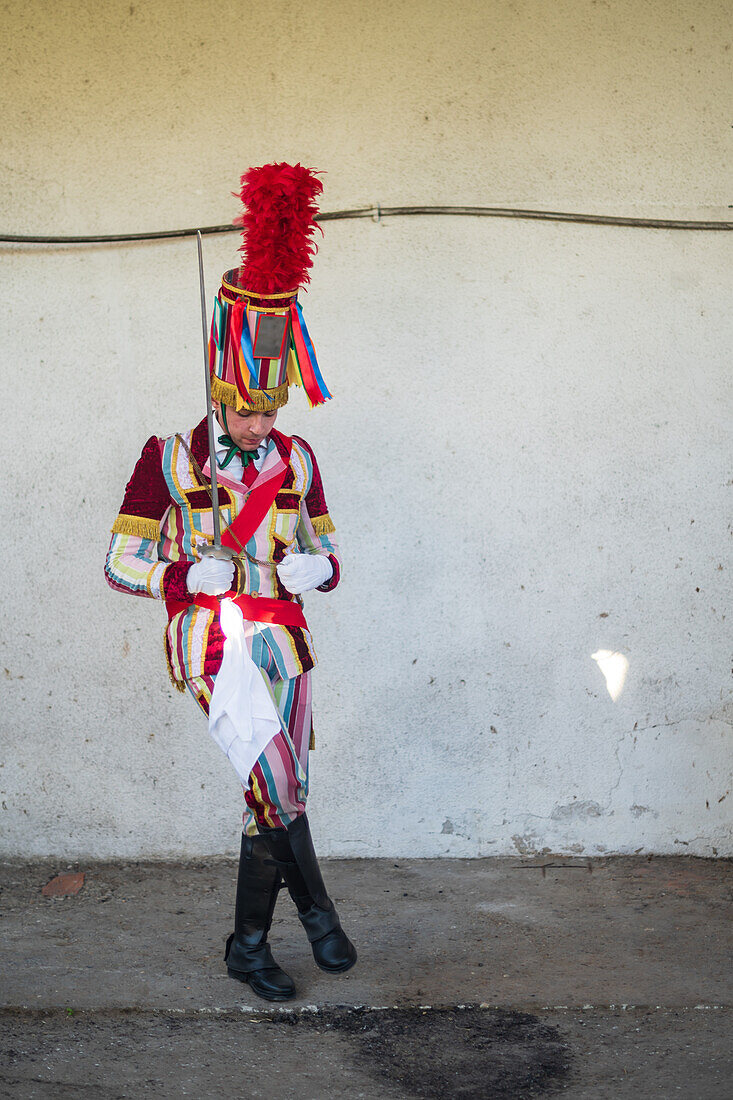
[(166, 517)]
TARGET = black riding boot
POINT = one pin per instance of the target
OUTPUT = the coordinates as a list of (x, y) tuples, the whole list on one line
[(293, 852), (248, 956)]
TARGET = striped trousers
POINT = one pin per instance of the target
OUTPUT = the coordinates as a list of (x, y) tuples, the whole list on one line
[(278, 784)]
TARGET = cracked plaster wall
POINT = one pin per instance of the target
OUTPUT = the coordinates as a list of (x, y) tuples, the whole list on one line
[(528, 457)]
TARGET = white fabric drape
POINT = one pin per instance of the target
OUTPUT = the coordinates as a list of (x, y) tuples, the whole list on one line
[(242, 716)]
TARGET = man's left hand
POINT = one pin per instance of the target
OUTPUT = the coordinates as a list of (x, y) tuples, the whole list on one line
[(302, 572)]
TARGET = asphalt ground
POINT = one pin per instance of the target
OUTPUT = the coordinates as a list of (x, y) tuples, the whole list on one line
[(476, 979)]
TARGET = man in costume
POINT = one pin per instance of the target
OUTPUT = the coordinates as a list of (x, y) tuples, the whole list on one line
[(237, 637)]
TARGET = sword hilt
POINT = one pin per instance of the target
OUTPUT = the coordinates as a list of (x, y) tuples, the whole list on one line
[(222, 553)]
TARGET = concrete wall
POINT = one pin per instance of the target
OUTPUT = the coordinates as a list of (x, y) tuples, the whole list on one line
[(528, 456)]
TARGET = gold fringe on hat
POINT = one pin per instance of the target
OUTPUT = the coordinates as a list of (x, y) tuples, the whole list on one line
[(259, 400)]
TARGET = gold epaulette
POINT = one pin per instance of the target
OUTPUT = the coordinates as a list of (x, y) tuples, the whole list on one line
[(137, 525), (323, 525)]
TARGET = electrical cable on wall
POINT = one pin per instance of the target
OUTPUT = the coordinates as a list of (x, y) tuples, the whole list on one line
[(378, 213)]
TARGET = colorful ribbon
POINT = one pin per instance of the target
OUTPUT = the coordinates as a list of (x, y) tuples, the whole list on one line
[(313, 383), (241, 342)]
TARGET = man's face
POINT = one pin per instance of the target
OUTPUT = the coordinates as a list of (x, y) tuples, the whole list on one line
[(246, 428)]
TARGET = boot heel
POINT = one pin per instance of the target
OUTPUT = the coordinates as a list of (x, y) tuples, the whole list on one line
[(236, 974)]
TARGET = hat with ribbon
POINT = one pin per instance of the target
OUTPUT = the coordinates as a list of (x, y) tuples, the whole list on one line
[(259, 344)]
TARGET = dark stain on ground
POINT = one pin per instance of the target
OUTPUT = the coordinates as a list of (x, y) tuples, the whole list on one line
[(467, 1054)]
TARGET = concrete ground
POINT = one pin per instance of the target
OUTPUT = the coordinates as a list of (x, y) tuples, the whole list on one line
[(476, 979)]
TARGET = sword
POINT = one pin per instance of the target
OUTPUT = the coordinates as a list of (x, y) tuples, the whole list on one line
[(217, 550)]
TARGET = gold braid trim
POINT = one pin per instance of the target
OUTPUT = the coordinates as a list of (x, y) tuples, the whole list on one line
[(137, 525), (242, 293), (259, 400), (179, 685), (323, 525)]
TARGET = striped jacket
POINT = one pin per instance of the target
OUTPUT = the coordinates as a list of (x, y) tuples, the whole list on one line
[(166, 516)]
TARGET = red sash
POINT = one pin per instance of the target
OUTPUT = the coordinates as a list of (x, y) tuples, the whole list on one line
[(257, 609), (257, 505)]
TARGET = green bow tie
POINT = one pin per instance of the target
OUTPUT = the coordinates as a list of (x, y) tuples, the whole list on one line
[(233, 449)]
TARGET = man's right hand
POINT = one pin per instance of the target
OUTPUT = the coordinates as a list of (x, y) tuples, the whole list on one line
[(212, 576)]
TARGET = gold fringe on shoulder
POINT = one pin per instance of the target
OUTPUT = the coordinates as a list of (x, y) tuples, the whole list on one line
[(323, 525), (259, 400), (137, 525)]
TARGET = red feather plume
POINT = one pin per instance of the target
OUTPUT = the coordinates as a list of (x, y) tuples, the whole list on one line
[(278, 224)]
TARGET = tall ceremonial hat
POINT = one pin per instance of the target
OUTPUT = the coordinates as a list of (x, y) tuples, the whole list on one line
[(259, 344)]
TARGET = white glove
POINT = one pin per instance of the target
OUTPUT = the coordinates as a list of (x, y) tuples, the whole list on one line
[(212, 576), (302, 572)]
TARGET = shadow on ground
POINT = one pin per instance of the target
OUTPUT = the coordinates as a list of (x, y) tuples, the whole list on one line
[(465, 1053)]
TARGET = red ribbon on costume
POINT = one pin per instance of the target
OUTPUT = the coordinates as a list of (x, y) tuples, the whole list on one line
[(237, 319), (257, 609), (257, 505)]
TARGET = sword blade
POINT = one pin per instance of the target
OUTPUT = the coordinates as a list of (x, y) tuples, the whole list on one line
[(209, 408)]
